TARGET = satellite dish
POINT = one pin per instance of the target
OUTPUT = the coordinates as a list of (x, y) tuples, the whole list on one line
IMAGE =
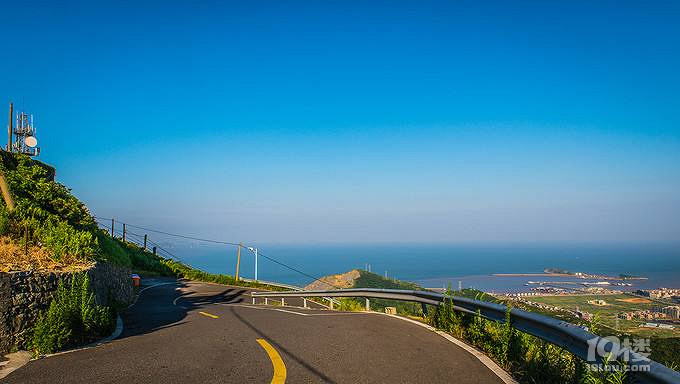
[(31, 141)]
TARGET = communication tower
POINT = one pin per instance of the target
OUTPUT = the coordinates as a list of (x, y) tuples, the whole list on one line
[(21, 137)]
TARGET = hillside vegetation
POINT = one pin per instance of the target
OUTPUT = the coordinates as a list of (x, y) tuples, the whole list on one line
[(51, 230), (358, 278), (527, 358)]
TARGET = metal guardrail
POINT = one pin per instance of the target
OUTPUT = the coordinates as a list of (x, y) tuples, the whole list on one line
[(291, 287), (560, 333)]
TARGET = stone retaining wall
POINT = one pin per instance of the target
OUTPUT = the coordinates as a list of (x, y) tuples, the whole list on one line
[(24, 295)]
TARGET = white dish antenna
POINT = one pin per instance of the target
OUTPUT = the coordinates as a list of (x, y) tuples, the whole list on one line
[(31, 141)]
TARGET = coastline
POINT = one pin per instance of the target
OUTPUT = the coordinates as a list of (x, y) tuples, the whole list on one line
[(575, 275)]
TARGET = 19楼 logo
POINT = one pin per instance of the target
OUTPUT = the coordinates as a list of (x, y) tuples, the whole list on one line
[(612, 349)]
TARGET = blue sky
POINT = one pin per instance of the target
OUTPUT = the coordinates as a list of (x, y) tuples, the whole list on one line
[(314, 122)]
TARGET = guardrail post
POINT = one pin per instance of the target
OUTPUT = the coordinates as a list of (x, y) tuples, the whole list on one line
[(330, 302), (283, 301), (253, 301), (266, 301), (424, 306), (368, 305), (304, 302)]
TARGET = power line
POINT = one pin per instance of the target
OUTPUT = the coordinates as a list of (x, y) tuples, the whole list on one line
[(140, 241), (215, 242), (298, 271), (174, 234)]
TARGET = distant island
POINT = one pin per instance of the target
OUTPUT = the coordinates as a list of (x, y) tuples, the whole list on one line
[(556, 272)]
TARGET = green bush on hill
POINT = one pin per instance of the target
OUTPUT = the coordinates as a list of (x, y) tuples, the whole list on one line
[(54, 220), (111, 250), (53, 217), (371, 280), (528, 358), (64, 240), (184, 271), (72, 319)]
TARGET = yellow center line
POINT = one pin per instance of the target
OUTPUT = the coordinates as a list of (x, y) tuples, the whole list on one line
[(209, 315), (279, 367)]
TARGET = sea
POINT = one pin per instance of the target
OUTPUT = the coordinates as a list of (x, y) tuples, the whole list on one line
[(437, 266)]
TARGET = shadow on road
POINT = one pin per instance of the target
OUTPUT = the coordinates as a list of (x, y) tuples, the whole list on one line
[(155, 310), (228, 296), (281, 348)]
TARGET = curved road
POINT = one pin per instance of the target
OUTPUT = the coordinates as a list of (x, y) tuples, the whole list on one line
[(211, 334)]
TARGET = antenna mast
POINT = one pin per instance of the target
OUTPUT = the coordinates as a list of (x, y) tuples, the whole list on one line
[(22, 137), (9, 127)]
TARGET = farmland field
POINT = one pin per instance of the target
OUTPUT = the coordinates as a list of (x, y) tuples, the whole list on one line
[(615, 304)]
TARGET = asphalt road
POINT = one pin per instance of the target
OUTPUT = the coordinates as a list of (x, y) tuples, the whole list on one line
[(212, 334)]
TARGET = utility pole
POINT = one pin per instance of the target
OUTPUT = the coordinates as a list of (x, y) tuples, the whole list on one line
[(6, 195), (124, 232), (255, 264), (145, 236), (254, 251), (9, 127), (238, 259)]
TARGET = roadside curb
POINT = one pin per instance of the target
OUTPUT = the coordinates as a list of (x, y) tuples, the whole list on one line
[(19, 359), (479, 355), (483, 358), (108, 339)]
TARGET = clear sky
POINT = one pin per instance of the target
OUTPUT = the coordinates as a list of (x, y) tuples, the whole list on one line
[(323, 121)]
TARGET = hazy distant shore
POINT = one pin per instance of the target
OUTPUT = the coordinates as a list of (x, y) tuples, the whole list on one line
[(580, 276)]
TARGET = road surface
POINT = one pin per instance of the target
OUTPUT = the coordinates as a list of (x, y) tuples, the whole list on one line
[(187, 332)]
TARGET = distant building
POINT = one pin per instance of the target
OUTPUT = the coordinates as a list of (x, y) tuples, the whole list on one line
[(645, 293), (643, 315), (656, 325), (672, 311), (597, 302), (661, 293)]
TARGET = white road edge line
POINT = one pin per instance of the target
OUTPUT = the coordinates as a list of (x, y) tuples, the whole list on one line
[(484, 359), (119, 329), (174, 302), (144, 289)]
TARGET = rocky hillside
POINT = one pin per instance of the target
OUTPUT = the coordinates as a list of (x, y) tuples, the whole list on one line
[(341, 280), (358, 278)]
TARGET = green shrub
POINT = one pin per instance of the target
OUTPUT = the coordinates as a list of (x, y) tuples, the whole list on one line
[(143, 260), (112, 250), (528, 358), (184, 271), (62, 240), (46, 211), (73, 318), (352, 305)]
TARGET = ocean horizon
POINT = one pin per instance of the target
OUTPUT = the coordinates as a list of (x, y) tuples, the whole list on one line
[(436, 266)]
